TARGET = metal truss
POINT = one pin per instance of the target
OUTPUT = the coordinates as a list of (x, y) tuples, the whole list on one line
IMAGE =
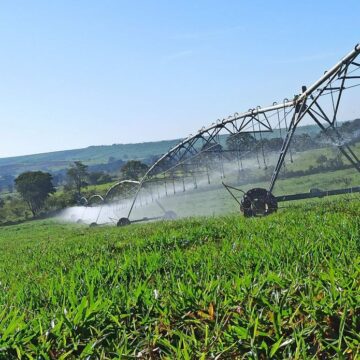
[(260, 120), (332, 83)]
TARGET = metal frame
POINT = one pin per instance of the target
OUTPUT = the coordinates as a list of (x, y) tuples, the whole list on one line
[(307, 103)]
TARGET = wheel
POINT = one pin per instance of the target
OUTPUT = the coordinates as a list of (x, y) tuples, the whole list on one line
[(258, 202), (123, 222)]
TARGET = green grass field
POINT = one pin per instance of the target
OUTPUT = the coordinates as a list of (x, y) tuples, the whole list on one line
[(305, 159), (285, 286)]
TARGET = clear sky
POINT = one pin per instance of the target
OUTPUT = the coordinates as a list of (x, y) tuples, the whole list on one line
[(75, 73)]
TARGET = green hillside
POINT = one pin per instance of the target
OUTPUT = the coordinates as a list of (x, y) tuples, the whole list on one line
[(94, 155), (91, 155)]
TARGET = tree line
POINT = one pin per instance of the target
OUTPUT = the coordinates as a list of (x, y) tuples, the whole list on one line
[(37, 189)]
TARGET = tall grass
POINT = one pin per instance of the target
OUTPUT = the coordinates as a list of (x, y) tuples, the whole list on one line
[(285, 286)]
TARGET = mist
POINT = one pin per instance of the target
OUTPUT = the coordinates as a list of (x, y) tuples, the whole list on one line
[(198, 193)]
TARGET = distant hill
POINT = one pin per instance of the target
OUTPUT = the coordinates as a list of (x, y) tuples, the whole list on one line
[(98, 155), (92, 155)]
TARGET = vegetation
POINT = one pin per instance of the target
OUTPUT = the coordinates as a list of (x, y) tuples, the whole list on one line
[(78, 175), (99, 177), (285, 286), (34, 188), (6, 183), (133, 170)]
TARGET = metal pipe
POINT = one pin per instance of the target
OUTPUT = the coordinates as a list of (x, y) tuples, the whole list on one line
[(330, 72), (316, 193)]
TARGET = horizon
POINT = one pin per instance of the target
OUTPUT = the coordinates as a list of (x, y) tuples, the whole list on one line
[(131, 143)]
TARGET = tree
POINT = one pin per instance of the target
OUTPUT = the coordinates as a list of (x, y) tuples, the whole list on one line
[(133, 170), (78, 174), (7, 182), (99, 177), (241, 142), (273, 144), (34, 187), (303, 142)]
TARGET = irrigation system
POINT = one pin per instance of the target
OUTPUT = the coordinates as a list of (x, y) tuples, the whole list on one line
[(204, 154)]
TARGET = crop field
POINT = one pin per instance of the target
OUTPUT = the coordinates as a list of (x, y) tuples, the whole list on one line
[(284, 286)]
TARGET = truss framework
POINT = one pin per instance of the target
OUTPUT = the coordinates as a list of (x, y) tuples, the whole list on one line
[(260, 120)]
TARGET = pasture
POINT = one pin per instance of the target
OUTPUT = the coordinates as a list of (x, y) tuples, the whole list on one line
[(284, 286)]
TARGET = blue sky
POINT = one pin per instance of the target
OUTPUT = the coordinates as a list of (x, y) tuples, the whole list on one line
[(75, 73)]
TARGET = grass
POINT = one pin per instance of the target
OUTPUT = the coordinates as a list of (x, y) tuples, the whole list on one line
[(305, 159), (285, 286)]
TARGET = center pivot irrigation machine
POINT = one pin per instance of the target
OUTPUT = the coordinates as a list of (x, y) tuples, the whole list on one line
[(240, 144)]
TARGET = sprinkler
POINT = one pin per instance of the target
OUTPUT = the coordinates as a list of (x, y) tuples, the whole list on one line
[(248, 141)]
